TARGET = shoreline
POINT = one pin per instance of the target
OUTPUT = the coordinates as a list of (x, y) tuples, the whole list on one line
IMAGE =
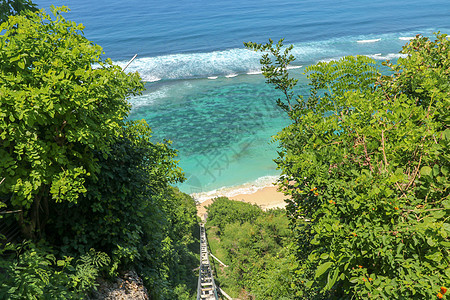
[(246, 188), (267, 197)]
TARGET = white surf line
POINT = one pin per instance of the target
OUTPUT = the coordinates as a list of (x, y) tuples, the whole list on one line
[(254, 72), (369, 41), (406, 38), (212, 77), (231, 75)]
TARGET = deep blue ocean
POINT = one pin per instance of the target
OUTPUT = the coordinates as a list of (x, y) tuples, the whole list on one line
[(204, 92)]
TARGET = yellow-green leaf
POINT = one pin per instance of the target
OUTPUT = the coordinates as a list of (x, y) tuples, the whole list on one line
[(323, 268)]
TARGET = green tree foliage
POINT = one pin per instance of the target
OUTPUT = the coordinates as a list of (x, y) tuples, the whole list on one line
[(175, 255), (224, 211), (366, 162), (131, 211), (118, 201), (33, 272), (56, 111), (13, 7), (257, 247), (70, 160)]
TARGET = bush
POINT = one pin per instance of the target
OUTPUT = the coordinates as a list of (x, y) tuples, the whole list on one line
[(257, 246), (68, 159), (56, 111), (30, 271), (225, 211), (366, 162), (132, 213)]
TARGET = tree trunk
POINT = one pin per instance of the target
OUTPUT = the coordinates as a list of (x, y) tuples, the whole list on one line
[(45, 212), (33, 221), (27, 220)]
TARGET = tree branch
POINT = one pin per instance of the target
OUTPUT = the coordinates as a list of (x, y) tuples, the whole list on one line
[(384, 151), (10, 212), (415, 173)]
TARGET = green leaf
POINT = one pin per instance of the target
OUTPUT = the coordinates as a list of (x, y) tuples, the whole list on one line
[(324, 256), (323, 268), (446, 204), (315, 241), (430, 242), (438, 214), (436, 256), (60, 263), (444, 170), (332, 279), (426, 171), (354, 280), (446, 134), (436, 170), (446, 227), (15, 58)]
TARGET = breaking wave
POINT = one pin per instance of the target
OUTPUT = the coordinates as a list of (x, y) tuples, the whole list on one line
[(233, 62)]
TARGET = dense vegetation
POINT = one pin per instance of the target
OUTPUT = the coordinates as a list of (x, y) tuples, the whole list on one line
[(256, 246), (89, 191), (366, 164)]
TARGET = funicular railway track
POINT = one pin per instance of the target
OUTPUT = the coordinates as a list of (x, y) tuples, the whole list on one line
[(207, 288)]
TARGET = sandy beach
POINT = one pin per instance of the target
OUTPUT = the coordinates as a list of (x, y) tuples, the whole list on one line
[(266, 198)]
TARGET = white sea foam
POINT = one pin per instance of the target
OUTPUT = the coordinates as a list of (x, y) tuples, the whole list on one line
[(226, 63), (232, 62), (160, 93), (377, 56), (149, 98), (246, 188), (293, 67), (388, 56), (368, 41), (406, 38), (213, 77), (327, 60), (254, 72), (194, 65), (152, 79)]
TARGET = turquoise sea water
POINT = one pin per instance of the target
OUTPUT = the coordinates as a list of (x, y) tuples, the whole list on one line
[(203, 88)]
